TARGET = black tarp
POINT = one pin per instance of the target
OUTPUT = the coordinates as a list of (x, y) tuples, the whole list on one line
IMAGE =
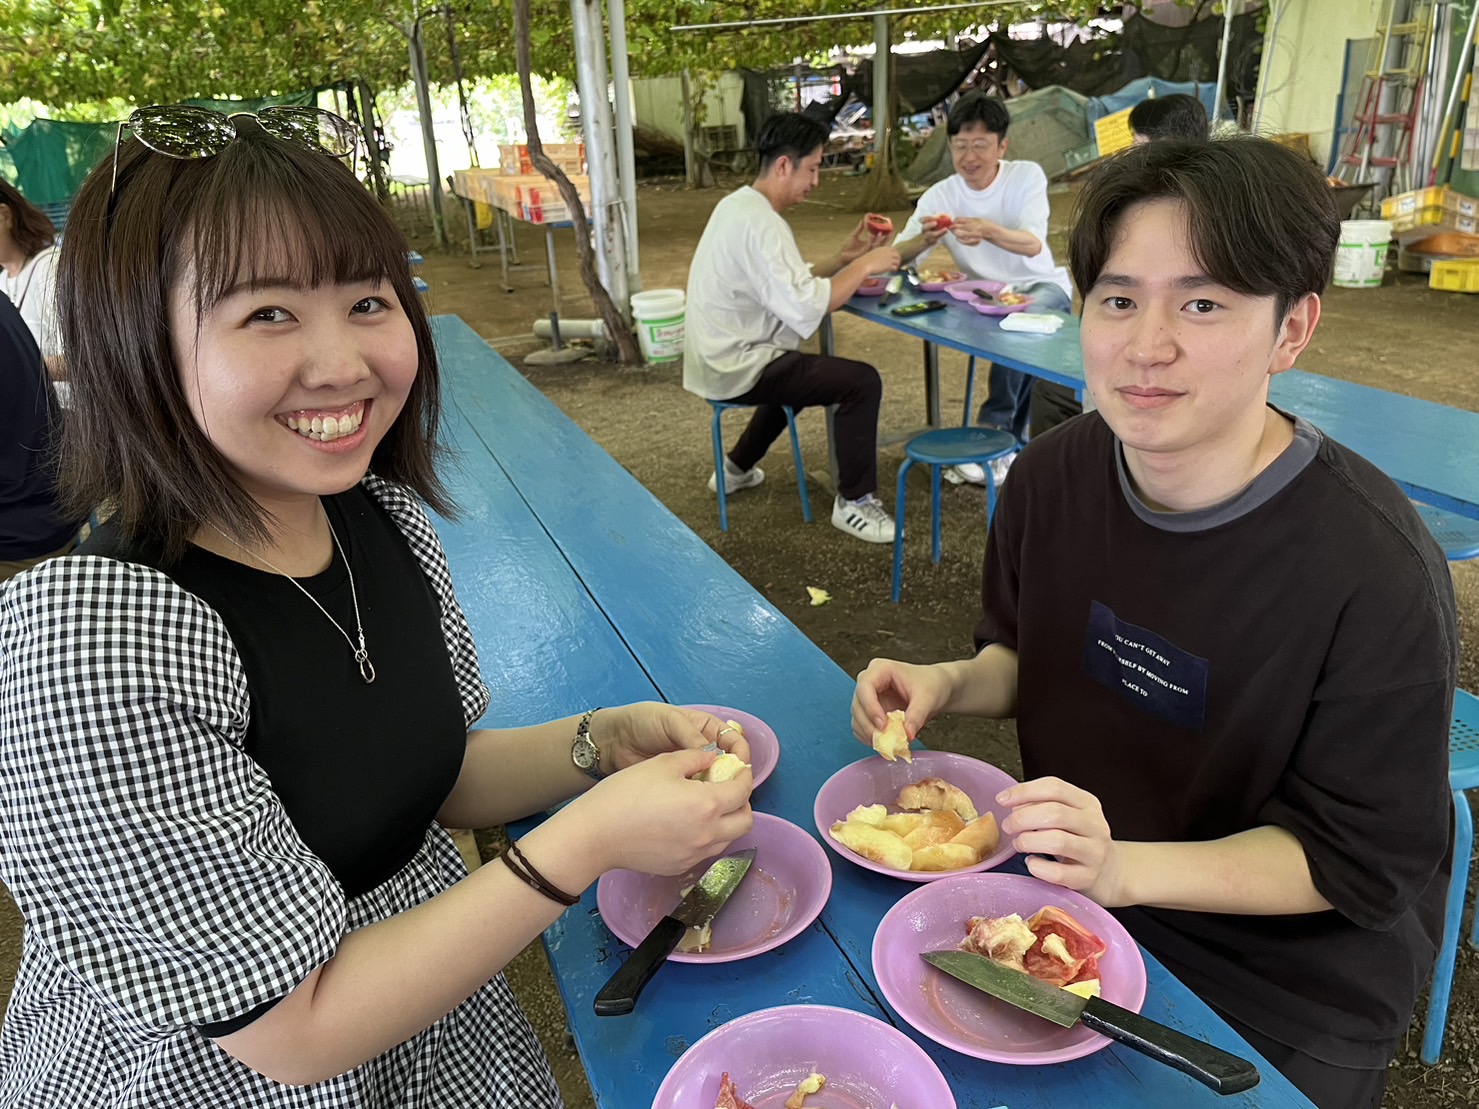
[(1142, 49), (923, 80)]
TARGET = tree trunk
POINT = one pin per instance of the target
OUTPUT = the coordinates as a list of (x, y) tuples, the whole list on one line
[(628, 353), (885, 189), (367, 128)]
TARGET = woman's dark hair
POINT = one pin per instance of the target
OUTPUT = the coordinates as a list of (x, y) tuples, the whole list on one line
[(130, 440), (1177, 116), (977, 107), (29, 225), (789, 135), (1261, 219)]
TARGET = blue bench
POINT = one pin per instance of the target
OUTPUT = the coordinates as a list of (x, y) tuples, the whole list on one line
[(1457, 535)]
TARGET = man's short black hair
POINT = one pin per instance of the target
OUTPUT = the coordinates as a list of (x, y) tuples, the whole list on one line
[(977, 107), (789, 135), (1177, 116), (1262, 220)]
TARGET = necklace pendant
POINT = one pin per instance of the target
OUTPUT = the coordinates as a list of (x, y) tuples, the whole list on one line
[(366, 667)]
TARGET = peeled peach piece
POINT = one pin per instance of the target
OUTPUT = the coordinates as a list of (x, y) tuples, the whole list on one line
[(893, 741)]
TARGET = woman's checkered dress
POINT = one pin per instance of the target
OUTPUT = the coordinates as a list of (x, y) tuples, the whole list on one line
[(162, 883)]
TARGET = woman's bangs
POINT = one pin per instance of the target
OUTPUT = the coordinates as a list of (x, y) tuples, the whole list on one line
[(272, 223)]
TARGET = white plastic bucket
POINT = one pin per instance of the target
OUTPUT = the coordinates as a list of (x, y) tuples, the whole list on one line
[(1361, 256), (659, 316)]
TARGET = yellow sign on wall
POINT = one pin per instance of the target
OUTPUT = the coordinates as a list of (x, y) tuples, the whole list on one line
[(1113, 132)]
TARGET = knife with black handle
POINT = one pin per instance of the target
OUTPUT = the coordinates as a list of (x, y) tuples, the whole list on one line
[(618, 996), (1217, 1069)]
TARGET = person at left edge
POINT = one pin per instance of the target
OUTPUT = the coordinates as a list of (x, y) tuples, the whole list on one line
[(751, 301), (33, 525)]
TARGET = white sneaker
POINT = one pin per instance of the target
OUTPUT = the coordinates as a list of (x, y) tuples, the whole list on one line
[(965, 473), (864, 518), (736, 481), (1000, 466)]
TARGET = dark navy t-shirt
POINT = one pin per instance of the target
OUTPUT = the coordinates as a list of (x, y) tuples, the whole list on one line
[(31, 523)]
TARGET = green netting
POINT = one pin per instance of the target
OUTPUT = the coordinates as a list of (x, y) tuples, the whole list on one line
[(48, 159)]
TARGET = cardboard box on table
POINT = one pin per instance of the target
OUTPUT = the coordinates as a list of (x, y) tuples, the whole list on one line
[(530, 197)]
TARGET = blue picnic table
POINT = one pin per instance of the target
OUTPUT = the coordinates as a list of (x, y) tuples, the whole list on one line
[(1430, 450), (582, 589)]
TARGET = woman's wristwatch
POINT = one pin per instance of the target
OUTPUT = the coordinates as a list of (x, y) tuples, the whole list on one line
[(583, 752)]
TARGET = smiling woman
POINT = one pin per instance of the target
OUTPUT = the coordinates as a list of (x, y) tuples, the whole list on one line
[(227, 837)]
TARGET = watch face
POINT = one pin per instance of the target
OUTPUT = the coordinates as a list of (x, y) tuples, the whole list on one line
[(585, 753)]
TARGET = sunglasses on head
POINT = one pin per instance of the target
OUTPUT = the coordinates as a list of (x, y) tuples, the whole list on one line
[(184, 132)]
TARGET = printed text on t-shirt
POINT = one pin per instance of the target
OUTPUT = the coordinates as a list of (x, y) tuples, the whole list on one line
[(1145, 669)]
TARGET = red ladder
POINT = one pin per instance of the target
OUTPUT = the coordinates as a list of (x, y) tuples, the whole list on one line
[(1391, 91)]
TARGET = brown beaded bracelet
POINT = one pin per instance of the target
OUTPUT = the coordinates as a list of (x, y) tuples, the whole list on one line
[(517, 862)]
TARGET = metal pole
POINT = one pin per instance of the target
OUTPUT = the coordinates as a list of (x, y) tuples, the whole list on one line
[(880, 85), (626, 160), (428, 134), (1440, 151), (1229, 8), (595, 120)]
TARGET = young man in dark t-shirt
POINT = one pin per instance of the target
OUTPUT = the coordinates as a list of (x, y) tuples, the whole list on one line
[(1229, 642)]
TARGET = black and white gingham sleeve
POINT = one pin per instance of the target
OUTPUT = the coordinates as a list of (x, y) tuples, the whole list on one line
[(407, 511), (149, 852)]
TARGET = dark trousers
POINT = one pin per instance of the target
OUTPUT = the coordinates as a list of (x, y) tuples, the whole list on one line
[(1052, 404), (1328, 1086), (808, 380)]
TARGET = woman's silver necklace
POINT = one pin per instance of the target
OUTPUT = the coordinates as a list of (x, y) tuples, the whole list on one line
[(361, 655)]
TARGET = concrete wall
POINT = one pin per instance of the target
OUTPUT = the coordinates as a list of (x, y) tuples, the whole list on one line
[(1304, 59), (657, 102)]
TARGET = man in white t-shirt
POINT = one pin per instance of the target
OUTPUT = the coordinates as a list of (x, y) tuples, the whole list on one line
[(995, 228), (751, 302)]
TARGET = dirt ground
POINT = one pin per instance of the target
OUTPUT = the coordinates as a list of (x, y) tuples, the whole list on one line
[(1401, 337)]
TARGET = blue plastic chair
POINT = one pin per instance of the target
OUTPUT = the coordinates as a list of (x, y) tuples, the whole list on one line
[(719, 407), (1457, 535), (949, 446), (1463, 774)]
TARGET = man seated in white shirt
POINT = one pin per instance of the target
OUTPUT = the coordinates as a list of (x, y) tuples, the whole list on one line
[(751, 302), (997, 230)]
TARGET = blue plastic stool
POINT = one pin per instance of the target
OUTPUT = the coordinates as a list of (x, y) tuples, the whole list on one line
[(950, 446), (719, 406), (1457, 535), (1463, 774)]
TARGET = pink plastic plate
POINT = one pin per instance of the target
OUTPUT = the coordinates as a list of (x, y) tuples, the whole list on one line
[(961, 1017), (965, 290), (876, 781), (784, 891), (765, 748), (872, 287), (936, 286), (868, 1064)]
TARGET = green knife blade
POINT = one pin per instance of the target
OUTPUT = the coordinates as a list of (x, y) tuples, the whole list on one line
[(713, 889), (1220, 1070)]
